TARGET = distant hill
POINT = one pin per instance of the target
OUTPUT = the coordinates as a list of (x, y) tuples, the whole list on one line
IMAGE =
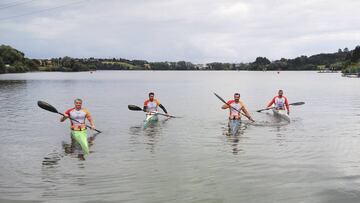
[(14, 61)]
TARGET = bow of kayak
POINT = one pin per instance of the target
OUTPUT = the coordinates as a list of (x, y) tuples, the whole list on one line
[(234, 126), (150, 118), (281, 114), (81, 138)]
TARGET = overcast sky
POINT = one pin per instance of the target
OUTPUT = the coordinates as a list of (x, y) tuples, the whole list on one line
[(199, 31)]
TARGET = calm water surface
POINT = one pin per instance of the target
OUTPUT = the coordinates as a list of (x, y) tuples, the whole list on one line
[(315, 158)]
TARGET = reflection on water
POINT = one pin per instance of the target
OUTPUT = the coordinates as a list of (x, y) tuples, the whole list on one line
[(269, 121), (68, 149), (150, 133), (233, 136), (190, 159), (52, 159)]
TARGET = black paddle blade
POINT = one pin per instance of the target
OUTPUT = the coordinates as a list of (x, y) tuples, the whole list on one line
[(134, 108), (297, 103), (264, 109), (47, 106)]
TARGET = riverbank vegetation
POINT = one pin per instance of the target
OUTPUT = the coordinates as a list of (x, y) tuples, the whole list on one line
[(14, 61), (352, 63)]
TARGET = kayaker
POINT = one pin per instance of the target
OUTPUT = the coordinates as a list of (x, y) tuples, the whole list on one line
[(280, 102), (78, 130), (151, 104), (239, 106)]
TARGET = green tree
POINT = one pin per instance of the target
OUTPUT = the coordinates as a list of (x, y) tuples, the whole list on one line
[(67, 62), (78, 66), (2, 66), (20, 67), (31, 64), (183, 65), (355, 55), (215, 66), (10, 55), (261, 61), (160, 66), (278, 65)]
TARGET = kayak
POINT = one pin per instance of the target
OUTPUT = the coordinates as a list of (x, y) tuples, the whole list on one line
[(281, 114), (80, 136), (150, 118), (234, 126)]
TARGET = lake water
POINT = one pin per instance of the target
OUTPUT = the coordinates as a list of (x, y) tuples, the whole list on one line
[(315, 158)]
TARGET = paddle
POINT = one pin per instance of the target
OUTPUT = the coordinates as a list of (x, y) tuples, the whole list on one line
[(292, 104), (136, 108), (231, 106), (50, 108), (154, 112)]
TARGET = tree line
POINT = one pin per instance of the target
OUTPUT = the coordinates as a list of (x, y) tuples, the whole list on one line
[(12, 61)]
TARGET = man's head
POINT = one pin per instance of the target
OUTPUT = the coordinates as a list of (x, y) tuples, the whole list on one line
[(78, 103), (151, 96), (236, 97), (280, 93)]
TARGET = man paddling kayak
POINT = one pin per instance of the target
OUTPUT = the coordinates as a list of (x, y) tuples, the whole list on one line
[(239, 106), (78, 129), (280, 102), (151, 104)]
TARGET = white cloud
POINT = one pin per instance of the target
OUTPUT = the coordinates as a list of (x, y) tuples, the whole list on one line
[(234, 10), (196, 30)]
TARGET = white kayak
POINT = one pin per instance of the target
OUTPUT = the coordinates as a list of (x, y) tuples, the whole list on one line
[(281, 114), (234, 126), (150, 118)]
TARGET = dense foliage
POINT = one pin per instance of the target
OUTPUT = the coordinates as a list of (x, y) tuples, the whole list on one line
[(13, 61)]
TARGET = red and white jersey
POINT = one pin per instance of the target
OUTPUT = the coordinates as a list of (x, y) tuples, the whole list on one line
[(238, 106), (279, 102), (152, 105), (78, 115)]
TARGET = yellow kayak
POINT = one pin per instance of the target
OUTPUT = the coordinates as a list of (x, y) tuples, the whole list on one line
[(80, 136)]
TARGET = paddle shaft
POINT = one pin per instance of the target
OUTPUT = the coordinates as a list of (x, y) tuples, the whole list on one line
[(235, 109), (46, 106), (136, 108), (154, 112), (291, 104)]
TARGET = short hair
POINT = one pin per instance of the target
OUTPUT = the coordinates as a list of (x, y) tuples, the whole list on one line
[(77, 100), (151, 93)]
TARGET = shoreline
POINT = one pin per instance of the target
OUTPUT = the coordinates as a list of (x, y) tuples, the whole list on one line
[(92, 71)]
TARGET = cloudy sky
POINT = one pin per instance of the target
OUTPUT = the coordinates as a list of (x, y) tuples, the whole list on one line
[(199, 31)]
